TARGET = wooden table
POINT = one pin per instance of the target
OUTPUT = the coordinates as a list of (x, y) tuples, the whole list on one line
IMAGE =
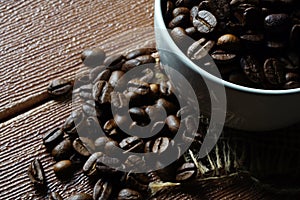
[(41, 40)]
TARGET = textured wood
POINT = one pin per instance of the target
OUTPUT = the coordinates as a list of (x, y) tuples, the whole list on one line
[(41, 40)]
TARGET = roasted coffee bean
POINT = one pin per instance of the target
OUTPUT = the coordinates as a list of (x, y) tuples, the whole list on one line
[(139, 115), (200, 49), (220, 8), (52, 138), (59, 86), (115, 77), (63, 150), (277, 23), (252, 41), (101, 92), (205, 21), (181, 11), (148, 76), (118, 100), (114, 62), (138, 87), (186, 172), (169, 107), (292, 76), (89, 166), (63, 169), (166, 88), (108, 161), (93, 57), (130, 64), (89, 110), (134, 162), (291, 85), (229, 42), (102, 76), (81, 196), (55, 196), (191, 31), (155, 113), (160, 145), (173, 123), (179, 35), (110, 127), (139, 52), (274, 71), (168, 11), (132, 144), (252, 68), (180, 20), (36, 173), (102, 190), (144, 59), (223, 57), (81, 148), (129, 194)]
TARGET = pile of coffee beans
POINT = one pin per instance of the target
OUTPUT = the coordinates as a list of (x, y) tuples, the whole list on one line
[(254, 43), (89, 138)]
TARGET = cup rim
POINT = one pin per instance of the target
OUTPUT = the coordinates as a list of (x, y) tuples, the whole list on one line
[(205, 74)]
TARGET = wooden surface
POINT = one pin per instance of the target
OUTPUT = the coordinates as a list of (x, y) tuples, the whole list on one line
[(41, 40)]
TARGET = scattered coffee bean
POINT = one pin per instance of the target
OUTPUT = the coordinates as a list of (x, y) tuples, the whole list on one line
[(60, 86), (36, 173), (204, 21), (63, 169), (52, 138), (132, 144), (63, 150), (102, 190), (81, 148), (93, 57), (101, 92), (274, 71)]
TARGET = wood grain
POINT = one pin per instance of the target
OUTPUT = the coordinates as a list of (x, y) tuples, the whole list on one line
[(42, 40)]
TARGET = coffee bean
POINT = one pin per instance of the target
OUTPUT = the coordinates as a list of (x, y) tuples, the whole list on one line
[(114, 62), (52, 138), (274, 71), (135, 162), (101, 92), (166, 88), (89, 166), (253, 18), (223, 57), (181, 11), (292, 76), (169, 107), (144, 59), (252, 41), (132, 144), (115, 77), (130, 64), (179, 36), (155, 113), (102, 190), (102, 76), (200, 49), (108, 161), (186, 172), (139, 115), (80, 148), (277, 23), (148, 76), (229, 42), (136, 181), (89, 110), (55, 196), (205, 22), (291, 85), (63, 150), (252, 69), (168, 11), (110, 127), (139, 52), (129, 194), (36, 173), (220, 8), (60, 86), (180, 20), (81, 196), (160, 145), (63, 169), (173, 123), (118, 100), (93, 57), (138, 87)]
